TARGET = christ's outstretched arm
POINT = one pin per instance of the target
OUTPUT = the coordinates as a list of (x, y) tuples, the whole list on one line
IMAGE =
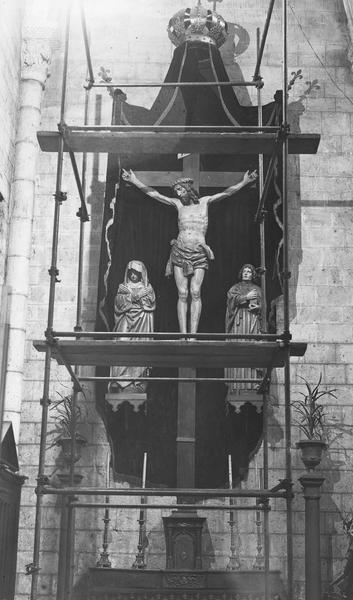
[(248, 178), (130, 177)]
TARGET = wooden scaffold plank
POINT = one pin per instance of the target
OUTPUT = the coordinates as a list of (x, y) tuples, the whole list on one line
[(179, 353), (175, 142)]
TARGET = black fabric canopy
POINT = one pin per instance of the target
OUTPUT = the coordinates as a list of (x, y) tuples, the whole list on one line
[(137, 227)]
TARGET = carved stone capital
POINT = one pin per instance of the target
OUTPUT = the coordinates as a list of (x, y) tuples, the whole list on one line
[(40, 33), (36, 59)]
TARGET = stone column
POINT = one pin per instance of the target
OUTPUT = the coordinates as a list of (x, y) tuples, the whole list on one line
[(348, 6), (36, 54), (312, 483)]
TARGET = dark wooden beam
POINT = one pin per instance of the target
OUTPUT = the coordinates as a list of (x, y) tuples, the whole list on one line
[(207, 178), (186, 430), (160, 142)]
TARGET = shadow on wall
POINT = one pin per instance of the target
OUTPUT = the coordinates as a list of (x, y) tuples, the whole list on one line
[(95, 201)]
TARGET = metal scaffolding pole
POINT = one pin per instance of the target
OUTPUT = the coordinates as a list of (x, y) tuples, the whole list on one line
[(90, 78), (53, 272), (179, 84), (182, 128), (70, 545), (163, 335), (279, 491), (263, 40), (285, 279), (265, 518)]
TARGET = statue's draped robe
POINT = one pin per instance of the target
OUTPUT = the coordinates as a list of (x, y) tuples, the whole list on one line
[(137, 227), (241, 320), (134, 306)]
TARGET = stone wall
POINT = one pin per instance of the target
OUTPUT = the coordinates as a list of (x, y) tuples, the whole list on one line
[(135, 47), (10, 59)]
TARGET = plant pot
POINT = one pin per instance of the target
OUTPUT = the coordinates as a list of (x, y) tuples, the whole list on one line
[(311, 452), (65, 444)]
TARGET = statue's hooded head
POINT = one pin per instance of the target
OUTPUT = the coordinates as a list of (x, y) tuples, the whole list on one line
[(249, 267), (136, 270), (184, 191)]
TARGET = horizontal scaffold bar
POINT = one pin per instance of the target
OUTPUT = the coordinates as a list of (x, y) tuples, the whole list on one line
[(180, 128), (151, 84), (181, 507), (160, 335), (179, 379), (150, 141), (179, 353), (199, 493)]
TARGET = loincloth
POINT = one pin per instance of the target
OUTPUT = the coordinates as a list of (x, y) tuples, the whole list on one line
[(188, 258)]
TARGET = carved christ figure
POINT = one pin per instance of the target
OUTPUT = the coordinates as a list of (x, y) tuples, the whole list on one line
[(190, 254)]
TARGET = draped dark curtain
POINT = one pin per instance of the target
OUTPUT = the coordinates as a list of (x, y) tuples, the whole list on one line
[(135, 227)]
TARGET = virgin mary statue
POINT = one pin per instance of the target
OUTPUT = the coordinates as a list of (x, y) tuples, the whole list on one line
[(134, 306)]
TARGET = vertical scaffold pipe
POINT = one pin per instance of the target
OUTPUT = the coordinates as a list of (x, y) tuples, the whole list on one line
[(262, 218), (53, 280), (285, 279), (70, 547), (264, 328)]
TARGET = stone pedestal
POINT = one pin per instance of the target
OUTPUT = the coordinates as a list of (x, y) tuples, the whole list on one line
[(312, 483), (136, 399), (237, 399), (67, 535), (183, 532)]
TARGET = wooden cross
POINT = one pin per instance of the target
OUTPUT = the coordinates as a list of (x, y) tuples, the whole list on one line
[(186, 420), (186, 424), (216, 179)]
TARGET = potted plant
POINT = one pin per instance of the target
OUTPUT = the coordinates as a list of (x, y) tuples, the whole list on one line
[(66, 419), (311, 422)]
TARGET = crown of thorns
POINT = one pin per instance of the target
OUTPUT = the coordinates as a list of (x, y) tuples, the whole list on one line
[(183, 181)]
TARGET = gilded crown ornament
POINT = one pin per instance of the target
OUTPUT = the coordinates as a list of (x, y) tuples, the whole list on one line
[(198, 24)]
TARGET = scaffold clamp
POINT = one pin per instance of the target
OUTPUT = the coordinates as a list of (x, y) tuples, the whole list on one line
[(284, 131), (50, 337), (89, 84), (32, 568), (60, 196), (45, 401), (258, 81), (83, 215), (54, 272), (42, 480)]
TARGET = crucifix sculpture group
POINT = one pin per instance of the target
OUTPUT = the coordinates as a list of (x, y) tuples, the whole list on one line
[(190, 255)]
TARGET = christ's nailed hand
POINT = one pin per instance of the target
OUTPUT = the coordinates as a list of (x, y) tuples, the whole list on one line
[(127, 175), (249, 177)]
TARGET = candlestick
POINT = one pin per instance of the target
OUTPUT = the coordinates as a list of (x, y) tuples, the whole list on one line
[(233, 562), (144, 469), (230, 472), (259, 560), (107, 473), (140, 562), (104, 561)]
